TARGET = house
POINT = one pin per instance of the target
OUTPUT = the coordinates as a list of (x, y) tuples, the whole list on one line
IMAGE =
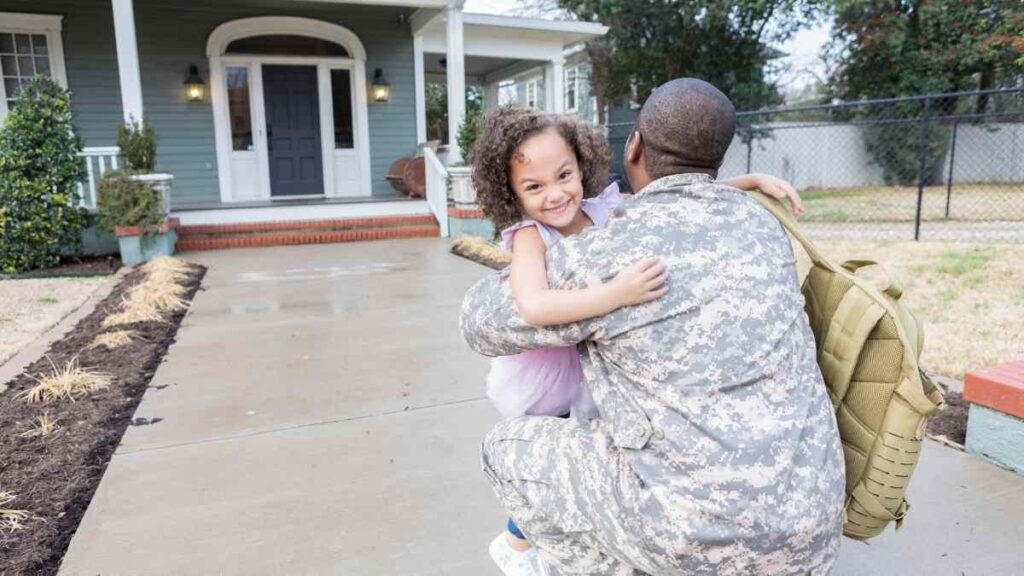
[(271, 111)]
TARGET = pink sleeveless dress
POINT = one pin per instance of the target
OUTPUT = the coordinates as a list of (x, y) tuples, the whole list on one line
[(547, 381)]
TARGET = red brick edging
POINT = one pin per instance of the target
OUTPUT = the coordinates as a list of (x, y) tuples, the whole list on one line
[(276, 226), (168, 225), (255, 241), (1000, 388), (454, 212)]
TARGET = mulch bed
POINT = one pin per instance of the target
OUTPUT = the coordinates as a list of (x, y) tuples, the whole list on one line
[(951, 423), (76, 266), (54, 477)]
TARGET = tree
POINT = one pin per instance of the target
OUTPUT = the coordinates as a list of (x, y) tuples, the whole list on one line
[(436, 96), (729, 44), (910, 47)]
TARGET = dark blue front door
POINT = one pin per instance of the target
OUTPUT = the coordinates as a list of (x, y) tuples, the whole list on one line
[(293, 130)]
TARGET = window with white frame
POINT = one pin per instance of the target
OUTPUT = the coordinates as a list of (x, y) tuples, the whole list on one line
[(532, 92), (572, 75), (30, 45), (506, 92)]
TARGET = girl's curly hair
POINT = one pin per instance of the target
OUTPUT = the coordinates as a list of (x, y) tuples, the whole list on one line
[(504, 130)]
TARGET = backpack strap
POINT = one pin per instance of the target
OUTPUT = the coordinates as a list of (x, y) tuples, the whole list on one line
[(785, 217), (852, 323)]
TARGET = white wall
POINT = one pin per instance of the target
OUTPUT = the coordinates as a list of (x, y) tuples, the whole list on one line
[(835, 156)]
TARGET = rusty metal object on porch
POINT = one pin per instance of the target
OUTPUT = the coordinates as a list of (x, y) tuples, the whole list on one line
[(408, 176)]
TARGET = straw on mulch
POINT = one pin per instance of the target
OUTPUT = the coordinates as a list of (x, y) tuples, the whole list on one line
[(481, 251), (68, 381), (115, 339), (54, 453)]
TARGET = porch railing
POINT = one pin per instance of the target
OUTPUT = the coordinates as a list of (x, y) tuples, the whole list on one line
[(98, 161), (437, 189)]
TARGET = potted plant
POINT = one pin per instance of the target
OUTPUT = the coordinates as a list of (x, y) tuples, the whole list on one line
[(462, 174), (138, 149), (134, 211)]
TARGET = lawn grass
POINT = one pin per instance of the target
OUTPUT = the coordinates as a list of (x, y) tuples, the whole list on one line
[(970, 297), (968, 202)]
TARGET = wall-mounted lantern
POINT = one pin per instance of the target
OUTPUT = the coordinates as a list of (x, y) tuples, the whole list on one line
[(194, 86), (381, 88)]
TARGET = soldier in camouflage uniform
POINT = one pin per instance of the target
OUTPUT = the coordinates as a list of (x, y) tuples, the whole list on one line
[(716, 451)]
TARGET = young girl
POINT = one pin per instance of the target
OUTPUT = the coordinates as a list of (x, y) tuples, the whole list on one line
[(537, 177)]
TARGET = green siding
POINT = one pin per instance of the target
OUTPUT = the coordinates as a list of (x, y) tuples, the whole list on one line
[(172, 36), (90, 58)]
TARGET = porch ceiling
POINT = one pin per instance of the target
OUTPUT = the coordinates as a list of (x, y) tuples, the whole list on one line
[(478, 66)]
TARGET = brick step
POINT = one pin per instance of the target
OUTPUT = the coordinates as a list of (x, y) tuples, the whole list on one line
[(200, 231), (311, 236)]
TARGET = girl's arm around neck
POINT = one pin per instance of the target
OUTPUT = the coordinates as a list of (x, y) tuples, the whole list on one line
[(539, 305)]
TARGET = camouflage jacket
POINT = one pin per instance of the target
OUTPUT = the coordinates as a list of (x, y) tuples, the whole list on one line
[(712, 392)]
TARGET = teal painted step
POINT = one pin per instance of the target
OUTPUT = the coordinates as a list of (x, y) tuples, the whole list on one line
[(135, 250), (470, 227), (996, 437)]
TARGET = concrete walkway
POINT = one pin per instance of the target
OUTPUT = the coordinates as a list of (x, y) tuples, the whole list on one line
[(321, 415)]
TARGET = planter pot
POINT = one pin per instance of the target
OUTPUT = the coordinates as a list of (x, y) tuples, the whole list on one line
[(161, 184), (135, 249), (463, 192)]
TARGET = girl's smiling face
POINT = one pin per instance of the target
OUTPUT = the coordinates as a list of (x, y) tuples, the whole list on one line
[(546, 179)]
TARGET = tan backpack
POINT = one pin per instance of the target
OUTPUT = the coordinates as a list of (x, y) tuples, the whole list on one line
[(869, 344)]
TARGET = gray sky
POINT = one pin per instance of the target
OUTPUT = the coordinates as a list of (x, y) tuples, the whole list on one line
[(804, 49)]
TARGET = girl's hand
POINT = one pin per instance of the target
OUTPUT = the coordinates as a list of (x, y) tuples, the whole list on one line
[(641, 282), (778, 188)]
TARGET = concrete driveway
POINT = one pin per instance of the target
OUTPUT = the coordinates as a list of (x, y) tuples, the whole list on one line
[(320, 414)]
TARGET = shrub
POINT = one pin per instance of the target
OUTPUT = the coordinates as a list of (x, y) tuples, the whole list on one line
[(39, 173), (138, 146), (469, 130), (126, 202)]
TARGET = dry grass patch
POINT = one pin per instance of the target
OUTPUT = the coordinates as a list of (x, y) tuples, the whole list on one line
[(42, 427), (977, 202), (116, 339), (479, 250), (10, 518), (69, 381), (969, 296), (156, 297)]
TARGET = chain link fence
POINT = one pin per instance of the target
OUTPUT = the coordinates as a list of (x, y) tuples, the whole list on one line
[(946, 167)]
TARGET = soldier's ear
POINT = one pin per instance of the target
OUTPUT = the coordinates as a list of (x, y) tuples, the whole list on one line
[(634, 147)]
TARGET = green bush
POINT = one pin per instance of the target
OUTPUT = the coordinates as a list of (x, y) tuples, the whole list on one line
[(39, 173), (469, 131), (138, 146), (126, 202)]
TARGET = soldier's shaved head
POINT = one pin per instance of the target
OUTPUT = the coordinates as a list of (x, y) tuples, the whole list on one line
[(686, 125)]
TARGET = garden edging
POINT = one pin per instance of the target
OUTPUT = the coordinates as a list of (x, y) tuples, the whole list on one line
[(35, 350)]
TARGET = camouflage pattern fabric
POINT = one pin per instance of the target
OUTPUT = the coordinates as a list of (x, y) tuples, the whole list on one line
[(716, 451)]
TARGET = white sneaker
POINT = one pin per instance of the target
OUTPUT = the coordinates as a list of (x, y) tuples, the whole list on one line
[(512, 562)]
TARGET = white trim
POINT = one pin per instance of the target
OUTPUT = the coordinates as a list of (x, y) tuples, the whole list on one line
[(47, 25), (571, 26), (31, 22), (127, 60), (228, 32), (456, 80), (323, 78), (554, 92), (421, 88), (422, 18), (280, 212), (262, 25)]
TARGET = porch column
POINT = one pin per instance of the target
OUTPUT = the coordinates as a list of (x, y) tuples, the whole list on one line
[(554, 91), (420, 88), (491, 96), (127, 60), (456, 78)]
